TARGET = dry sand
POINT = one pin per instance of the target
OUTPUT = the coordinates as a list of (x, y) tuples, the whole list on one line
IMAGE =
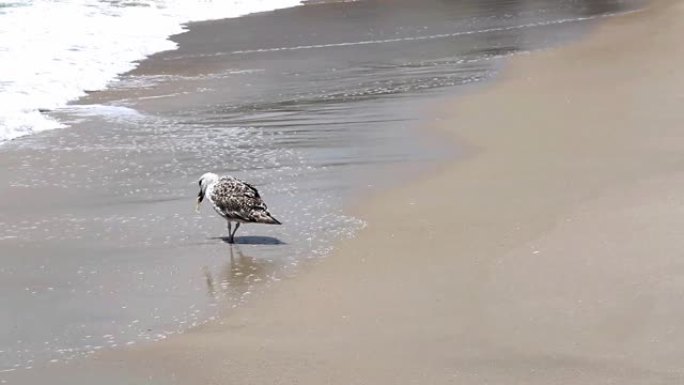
[(552, 255)]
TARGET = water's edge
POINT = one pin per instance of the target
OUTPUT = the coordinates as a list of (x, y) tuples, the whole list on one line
[(336, 189)]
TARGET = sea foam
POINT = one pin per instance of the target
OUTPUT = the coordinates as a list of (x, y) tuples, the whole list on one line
[(52, 52)]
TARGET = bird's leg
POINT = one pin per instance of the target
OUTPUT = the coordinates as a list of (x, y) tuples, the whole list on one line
[(230, 232), (232, 236)]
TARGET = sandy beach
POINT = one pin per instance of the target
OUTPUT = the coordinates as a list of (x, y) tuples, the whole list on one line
[(321, 106), (545, 251), (550, 256)]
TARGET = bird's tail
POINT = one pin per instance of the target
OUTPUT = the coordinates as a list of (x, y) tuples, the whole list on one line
[(267, 218)]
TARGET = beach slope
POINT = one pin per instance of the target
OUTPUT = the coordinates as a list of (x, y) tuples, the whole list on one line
[(551, 255)]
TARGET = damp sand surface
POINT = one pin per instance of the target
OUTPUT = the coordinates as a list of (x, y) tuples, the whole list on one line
[(320, 106), (552, 254)]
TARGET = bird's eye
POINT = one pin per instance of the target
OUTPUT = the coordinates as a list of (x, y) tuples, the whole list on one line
[(200, 182)]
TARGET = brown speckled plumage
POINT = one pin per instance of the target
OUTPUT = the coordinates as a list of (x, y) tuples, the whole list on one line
[(238, 201)]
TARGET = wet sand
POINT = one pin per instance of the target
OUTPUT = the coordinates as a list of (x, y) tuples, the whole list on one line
[(548, 256), (551, 256), (317, 105)]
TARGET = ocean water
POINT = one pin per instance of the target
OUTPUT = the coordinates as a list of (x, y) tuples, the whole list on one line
[(317, 105), (53, 52)]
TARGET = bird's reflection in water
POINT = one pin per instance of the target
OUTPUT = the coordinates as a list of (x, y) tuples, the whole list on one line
[(239, 276)]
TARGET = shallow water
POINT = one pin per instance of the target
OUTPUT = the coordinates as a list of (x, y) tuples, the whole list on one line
[(316, 105), (52, 52)]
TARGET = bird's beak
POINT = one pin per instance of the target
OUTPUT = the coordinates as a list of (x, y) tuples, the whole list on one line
[(200, 196)]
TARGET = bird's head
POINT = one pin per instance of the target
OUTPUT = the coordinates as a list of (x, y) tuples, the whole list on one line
[(205, 181)]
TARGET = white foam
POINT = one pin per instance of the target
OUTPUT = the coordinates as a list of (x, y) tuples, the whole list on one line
[(51, 52), (103, 111)]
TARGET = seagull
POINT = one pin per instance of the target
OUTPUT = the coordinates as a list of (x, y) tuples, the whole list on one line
[(234, 200)]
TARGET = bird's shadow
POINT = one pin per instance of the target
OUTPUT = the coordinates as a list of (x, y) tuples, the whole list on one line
[(253, 240)]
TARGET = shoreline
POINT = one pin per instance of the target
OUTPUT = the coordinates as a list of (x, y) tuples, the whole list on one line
[(325, 341), (98, 62), (547, 275)]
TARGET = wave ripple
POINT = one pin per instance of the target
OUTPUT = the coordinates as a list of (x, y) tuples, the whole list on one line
[(53, 52)]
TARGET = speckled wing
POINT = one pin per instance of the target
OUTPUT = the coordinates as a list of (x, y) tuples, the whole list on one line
[(240, 201)]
